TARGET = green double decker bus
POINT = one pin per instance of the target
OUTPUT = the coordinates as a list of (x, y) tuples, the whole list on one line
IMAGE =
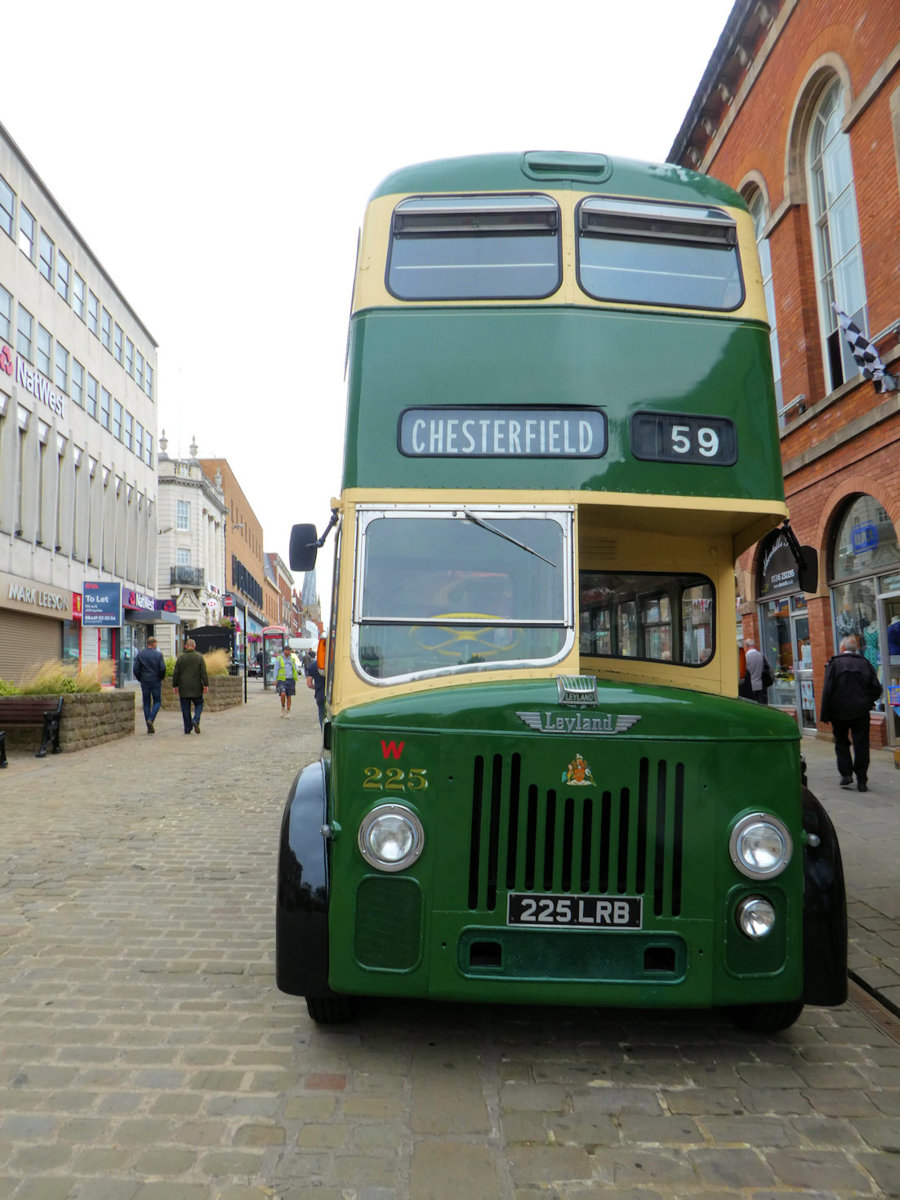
[(538, 784)]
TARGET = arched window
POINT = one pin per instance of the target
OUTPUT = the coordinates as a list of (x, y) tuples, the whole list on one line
[(836, 245), (757, 205), (865, 556)]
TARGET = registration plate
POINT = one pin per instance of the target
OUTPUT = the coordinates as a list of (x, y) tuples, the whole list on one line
[(574, 912)]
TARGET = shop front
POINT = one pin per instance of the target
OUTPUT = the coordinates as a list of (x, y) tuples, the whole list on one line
[(784, 632), (864, 582), (33, 616)]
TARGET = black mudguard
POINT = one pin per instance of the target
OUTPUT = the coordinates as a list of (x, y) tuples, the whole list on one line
[(824, 909), (301, 908)]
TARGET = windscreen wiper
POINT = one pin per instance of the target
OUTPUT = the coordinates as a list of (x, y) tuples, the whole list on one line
[(506, 537)]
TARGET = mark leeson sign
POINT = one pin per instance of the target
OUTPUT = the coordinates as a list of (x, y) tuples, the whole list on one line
[(502, 433)]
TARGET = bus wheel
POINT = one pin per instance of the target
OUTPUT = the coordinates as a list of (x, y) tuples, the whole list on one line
[(330, 1010), (766, 1018)]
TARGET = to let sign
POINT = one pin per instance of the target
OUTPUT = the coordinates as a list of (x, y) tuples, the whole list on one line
[(102, 604)]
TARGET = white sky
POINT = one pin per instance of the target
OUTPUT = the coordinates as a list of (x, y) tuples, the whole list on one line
[(217, 158)]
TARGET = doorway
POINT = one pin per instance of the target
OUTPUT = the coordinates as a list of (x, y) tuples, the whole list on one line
[(889, 620)]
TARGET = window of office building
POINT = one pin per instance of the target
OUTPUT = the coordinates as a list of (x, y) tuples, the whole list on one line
[(43, 350), (836, 241), (26, 232), (128, 431), (182, 557), (139, 439), (78, 294), (78, 383), (117, 420), (148, 448), (7, 207), (129, 356), (92, 387), (25, 333), (183, 514), (45, 259), (63, 270), (118, 344), (62, 368), (105, 406), (106, 330), (148, 381), (93, 314), (759, 212), (139, 374), (5, 314)]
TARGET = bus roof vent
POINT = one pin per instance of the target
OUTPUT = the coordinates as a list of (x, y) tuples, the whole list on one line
[(577, 689), (563, 164)]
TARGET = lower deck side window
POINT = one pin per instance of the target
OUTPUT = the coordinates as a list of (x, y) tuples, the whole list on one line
[(661, 618)]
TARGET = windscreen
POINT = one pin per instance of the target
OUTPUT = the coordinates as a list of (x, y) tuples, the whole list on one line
[(449, 590)]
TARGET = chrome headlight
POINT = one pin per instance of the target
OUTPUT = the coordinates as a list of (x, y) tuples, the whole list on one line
[(391, 837), (755, 917), (760, 846)]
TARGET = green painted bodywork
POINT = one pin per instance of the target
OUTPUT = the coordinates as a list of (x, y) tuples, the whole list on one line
[(509, 172), (622, 363), (438, 929)]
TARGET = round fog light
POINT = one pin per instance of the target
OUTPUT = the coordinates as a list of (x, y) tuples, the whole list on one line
[(391, 837), (755, 917)]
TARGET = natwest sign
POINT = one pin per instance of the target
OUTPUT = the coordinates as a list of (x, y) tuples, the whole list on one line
[(32, 381)]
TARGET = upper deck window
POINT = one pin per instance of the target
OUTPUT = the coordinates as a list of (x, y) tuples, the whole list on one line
[(642, 252), (474, 248)]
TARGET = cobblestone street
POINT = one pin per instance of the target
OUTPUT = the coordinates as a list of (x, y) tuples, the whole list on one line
[(145, 1053)]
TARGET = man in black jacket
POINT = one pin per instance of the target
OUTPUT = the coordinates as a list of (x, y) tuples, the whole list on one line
[(851, 688), (150, 670)]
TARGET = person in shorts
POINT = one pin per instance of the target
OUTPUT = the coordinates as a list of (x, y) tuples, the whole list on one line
[(286, 675)]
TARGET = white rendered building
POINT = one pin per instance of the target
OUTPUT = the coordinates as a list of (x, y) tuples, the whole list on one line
[(78, 421), (193, 514)]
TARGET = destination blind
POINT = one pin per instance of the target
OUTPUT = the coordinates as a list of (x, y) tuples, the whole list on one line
[(502, 433)]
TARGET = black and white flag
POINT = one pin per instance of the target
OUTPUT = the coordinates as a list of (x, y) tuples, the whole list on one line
[(867, 357)]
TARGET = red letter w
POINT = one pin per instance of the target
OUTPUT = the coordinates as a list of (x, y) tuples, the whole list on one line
[(391, 749)]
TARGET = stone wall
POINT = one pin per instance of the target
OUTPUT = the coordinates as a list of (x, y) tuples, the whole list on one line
[(88, 718), (225, 691)]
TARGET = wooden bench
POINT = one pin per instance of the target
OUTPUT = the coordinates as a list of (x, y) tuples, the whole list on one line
[(31, 712)]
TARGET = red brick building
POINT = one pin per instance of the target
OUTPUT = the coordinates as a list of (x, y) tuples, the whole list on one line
[(799, 110)]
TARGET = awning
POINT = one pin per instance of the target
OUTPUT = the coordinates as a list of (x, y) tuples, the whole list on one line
[(144, 616)]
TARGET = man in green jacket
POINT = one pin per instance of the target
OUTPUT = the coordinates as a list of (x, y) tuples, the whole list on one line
[(190, 682)]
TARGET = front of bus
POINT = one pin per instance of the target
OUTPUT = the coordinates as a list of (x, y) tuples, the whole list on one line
[(538, 785)]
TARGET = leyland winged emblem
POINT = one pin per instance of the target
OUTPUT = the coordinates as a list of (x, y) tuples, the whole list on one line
[(593, 724)]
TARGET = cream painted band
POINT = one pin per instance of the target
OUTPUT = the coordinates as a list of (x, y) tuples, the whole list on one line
[(369, 289), (613, 532)]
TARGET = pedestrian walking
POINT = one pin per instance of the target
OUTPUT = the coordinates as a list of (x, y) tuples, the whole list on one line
[(190, 682), (315, 681), (286, 675), (851, 688), (150, 670)]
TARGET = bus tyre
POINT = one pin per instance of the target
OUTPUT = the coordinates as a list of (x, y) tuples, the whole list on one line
[(766, 1018), (330, 1010)]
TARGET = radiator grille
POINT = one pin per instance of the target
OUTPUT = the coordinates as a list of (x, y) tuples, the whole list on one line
[(626, 840)]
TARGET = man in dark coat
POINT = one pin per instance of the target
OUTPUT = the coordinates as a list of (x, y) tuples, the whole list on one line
[(318, 677), (150, 670), (851, 688), (190, 682)]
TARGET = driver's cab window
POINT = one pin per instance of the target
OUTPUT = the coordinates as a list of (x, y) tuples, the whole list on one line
[(444, 588)]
